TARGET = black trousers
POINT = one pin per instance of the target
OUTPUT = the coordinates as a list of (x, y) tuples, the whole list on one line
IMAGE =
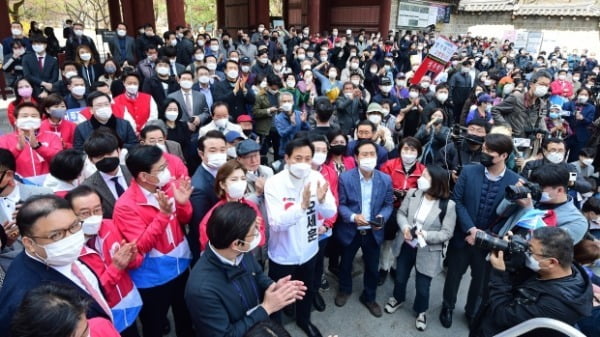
[(157, 301), (304, 272), (459, 259)]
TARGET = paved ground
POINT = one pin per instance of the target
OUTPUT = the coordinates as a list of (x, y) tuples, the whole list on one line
[(354, 320)]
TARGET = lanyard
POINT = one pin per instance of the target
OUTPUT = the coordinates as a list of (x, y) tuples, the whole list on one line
[(238, 288)]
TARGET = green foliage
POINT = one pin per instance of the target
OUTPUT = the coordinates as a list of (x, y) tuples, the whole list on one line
[(201, 12)]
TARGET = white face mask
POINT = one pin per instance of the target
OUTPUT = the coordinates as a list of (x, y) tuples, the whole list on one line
[(132, 89), (78, 32), (385, 88), (291, 83), (232, 74), (214, 48), (28, 123), (555, 157), (164, 177), (425, 85), (368, 164), (65, 251), (413, 94), (38, 48), (442, 97), (287, 106), (423, 184), (161, 146), (231, 153), (355, 82), (199, 57), (163, 71), (121, 32), (211, 66), (319, 158), (237, 189), (171, 115), (78, 90), (540, 91), (252, 244), (221, 123), (85, 56), (216, 160), (70, 74), (103, 113), (408, 159), (582, 99), (545, 197), (587, 161), (16, 32), (375, 119), (300, 170), (203, 79), (91, 225), (532, 263), (246, 69), (186, 84)]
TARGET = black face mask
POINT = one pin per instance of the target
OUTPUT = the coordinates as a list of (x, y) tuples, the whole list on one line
[(473, 139), (338, 149), (107, 164), (486, 160), (247, 132)]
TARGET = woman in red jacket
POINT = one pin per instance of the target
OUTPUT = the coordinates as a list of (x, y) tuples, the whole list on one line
[(23, 93), (33, 149), (230, 186), (54, 108)]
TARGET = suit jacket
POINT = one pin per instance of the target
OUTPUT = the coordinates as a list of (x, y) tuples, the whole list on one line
[(153, 86), (108, 199), (115, 50), (199, 106), (223, 91), (123, 130), (382, 203), (31, 69), (175, 149), (25, 274), (73, 43), (467, 195), (429, 258), (203, 199)]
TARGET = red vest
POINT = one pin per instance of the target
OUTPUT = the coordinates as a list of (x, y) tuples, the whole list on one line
[(138, 108)]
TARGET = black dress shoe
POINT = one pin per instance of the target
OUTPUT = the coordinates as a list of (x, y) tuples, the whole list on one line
[(446, 317), (319, 302), (310, 330), (382, 276)]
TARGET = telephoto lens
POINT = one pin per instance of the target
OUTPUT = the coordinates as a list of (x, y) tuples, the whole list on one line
[(488, 242)]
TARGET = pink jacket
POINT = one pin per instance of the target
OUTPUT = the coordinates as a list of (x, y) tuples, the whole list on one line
[(32, 162), (65, 130), (176, 166)]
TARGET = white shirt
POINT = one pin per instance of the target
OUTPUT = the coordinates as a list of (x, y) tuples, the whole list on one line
[(9, 202), (238, 259), (111, 184), (423, 211), (293, 231), (491, 177), (212, 171)]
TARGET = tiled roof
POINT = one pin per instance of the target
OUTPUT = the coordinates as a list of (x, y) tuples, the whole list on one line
[(590, 8), (486, 5)]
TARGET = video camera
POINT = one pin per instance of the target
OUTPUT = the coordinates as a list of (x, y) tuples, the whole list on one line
[(514, 192), (514, 249)]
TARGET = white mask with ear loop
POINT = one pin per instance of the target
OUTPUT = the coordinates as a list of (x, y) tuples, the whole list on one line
[(252, 244)]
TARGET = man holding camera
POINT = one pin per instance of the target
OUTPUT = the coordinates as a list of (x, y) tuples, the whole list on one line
[(477, 194), (553, 288)]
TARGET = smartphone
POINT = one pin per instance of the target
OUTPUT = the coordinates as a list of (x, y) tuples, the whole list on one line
[(377, 223), (572, 177)]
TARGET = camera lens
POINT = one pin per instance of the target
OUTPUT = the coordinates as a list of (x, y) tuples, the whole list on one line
[(488, 242)]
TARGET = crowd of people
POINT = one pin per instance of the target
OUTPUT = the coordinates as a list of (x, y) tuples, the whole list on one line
[(211, 175)]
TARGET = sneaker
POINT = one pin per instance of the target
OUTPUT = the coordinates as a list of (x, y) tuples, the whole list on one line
[(392, 305), (421, 322), (324, 283)]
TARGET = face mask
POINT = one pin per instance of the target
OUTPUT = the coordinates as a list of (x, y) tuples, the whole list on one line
[(65, 251), (221, 123), (173, 43), (385, 88), (29, 123), (171, 115), (85, 56), (199, 57), (214, 48), (70, 74), (332, 74), (185, 84), (301, 57), (442, 97), (562, 77), (540, 91), (319, 158), (355, 82), (78, 32), (108, 164), (373, 70), (204, 79), (486, 160), (25, 92), (401, 83), (58, 113), (300, 170), (252, 244), (163, 71), (287, 107), (78, 90), (413, 94), (338, 149), (353, 66), (487, 83), (232, 74), (553, 115), (121, 32), (132, 89), (161, 146), (164, 177), (425, 85), (231, 152), (508, 88), (587, 161), (110, 69), (237, 189), (16, 32), (211, 66), (375, 119), (423, 184), (245, 69), (368, 164), (310, 55), (385, 112), (408, 159), (216, 160), (103, 113), (532, 263), (91, 225), (291, 83), (38, 48), (555, 157), (575, 79), (582, 99)]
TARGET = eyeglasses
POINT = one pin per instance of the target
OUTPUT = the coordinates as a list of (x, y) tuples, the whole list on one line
[(86, 214), (532, 253), (60, 234)]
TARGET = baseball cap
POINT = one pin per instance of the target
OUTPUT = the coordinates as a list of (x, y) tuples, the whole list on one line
[(246, 146), (244, 118), (233, 135), (245, 60), (484, 98), (385, 81), (374, 107)]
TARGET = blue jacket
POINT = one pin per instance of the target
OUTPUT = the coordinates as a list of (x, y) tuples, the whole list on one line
[(286, 130), (382, 153), (120, 126), (25, 274), (220, 295), (580, 127), (467, 194), (203, 198), (382, 203)]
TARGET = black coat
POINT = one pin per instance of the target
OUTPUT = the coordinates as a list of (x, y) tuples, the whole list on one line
[(120, 126), (238, 103), (154, 87)]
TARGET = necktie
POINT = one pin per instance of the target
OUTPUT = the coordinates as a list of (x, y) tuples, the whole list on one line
[(118, 186), (90, 289), (188, 104), (41, 62)]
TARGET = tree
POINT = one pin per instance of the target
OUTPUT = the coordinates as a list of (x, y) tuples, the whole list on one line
[(14, 9), (201, 12), (89, 12)]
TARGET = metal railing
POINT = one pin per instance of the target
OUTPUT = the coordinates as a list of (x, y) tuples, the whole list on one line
[(536, 323)]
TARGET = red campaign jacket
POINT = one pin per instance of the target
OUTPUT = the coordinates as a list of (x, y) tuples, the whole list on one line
[(202, 226), (331, 176), (101, 327), (32, 162), (139, 108), (176, 166), (400, 181), (65, 130)]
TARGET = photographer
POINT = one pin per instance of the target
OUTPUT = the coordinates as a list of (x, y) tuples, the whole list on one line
[(550, 195), (556, 288)]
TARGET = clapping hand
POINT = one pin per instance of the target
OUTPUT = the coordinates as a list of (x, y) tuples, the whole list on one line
[(124, 255), (183, 190), (322, 191), (164, 203)]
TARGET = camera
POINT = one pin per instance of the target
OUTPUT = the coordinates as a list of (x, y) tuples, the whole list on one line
[(514, 249), (514, 192)]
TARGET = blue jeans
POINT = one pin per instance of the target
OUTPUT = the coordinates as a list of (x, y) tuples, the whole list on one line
[(404, 264), (370, 250)]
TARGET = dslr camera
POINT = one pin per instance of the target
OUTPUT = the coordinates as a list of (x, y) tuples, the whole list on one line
[(514, 192), (514, 249)]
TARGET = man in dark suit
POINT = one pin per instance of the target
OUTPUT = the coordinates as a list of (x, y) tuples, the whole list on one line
[(198, 112), (40, 68), (78, 39), (234, 91), (212, 148), (122, 47), (162, 83), (477, 194), (366, 203), (111, 179), (53, 239)]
